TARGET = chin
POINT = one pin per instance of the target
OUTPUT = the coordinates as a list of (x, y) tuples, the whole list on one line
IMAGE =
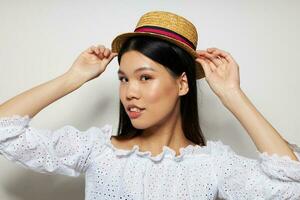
[(143, 124), (139, 125)]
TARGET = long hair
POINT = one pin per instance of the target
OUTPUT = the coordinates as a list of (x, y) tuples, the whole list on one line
[(176, 61)]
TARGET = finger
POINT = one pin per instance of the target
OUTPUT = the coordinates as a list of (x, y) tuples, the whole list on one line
[(216, 60), (212, 66), (200, 51), (213, 58), (97, 51), (92, 49), (209, 64), (219, 59), (223, 59), (211, 49), (102, 48), (101, 51), (106, 52), (206, 68), (110, 57), (217, 54), (223, 53)]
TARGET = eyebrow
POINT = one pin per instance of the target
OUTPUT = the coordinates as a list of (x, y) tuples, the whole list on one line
[(137, 70)]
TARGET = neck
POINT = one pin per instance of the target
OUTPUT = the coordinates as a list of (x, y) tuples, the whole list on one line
[(168, 133)]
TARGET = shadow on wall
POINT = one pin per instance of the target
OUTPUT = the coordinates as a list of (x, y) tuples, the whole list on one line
[(37, 186)]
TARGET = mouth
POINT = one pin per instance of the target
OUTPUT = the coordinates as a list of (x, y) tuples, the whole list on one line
[(135, 114)]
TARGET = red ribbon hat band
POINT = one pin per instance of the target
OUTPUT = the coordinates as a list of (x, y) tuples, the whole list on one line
[(166, 32)]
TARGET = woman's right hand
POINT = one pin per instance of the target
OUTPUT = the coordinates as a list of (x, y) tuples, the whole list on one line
[(92, 62)]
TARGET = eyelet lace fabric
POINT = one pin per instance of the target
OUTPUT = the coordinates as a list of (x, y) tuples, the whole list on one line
[(167, 152), (209, 172)]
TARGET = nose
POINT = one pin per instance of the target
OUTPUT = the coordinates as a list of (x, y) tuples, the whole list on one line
[(132, 91)]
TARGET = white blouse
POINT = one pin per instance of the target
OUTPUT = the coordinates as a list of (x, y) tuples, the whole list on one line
[(198, 172)]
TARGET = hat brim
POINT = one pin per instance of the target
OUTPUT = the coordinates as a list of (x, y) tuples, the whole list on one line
[(120, 39)]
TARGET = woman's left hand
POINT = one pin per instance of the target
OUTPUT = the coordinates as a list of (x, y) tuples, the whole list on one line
[(221, 70)]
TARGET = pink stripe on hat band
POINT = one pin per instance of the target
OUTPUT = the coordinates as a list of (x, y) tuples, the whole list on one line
[(163, 32)]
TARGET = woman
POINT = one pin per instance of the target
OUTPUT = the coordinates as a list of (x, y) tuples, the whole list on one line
[(159, 151)]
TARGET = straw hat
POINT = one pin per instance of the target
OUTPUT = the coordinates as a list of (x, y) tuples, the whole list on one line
[(167, 26)]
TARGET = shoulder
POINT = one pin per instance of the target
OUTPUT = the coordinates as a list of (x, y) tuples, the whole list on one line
[(217, 148), (122, 143)]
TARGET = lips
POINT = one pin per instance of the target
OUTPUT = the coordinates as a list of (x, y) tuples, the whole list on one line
[(134, 106), (134, 115)]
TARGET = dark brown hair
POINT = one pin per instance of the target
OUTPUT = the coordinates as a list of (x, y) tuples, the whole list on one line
[(176, 60)]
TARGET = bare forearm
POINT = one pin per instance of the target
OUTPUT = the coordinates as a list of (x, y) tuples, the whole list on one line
[(265, 137), (34, 100)]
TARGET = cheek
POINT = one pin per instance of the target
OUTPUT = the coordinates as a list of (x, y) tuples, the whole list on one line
[(159, 96), (122, 95)]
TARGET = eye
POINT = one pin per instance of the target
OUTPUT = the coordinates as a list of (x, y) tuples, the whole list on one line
[(121, 78), (145, 76)]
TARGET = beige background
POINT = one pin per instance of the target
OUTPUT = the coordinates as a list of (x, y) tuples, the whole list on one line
[(41, 39)]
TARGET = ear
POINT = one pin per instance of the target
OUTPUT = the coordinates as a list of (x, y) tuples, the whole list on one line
[(183, 86)]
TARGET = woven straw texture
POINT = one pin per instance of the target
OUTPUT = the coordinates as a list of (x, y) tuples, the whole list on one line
[(169, 21)]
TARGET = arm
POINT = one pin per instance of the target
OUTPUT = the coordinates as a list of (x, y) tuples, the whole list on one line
[(34, 100), (264, 136), (269, 177), (67, 150), (89, 65), (222, 75)]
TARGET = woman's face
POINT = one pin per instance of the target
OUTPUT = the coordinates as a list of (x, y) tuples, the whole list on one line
[(147, 84)]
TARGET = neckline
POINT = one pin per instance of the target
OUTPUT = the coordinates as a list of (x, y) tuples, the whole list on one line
[(166, 152)]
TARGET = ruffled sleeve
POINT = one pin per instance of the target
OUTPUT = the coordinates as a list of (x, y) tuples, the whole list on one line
[(66, 151), (269, 177)]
